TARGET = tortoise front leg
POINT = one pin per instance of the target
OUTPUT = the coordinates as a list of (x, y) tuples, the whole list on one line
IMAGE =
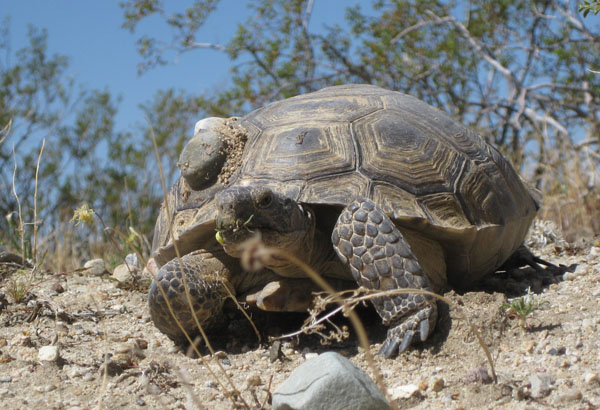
[(206, 277), (380, 258)]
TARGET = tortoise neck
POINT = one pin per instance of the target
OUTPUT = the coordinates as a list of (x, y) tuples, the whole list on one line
[(316, 251)]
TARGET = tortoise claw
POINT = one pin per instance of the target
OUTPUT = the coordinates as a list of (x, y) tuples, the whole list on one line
[(393, 345), (424, 329), (389, 347), (406, 341)]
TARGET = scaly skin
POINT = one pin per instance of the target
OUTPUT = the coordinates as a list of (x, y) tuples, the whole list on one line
[(380, 259), (206, 278)]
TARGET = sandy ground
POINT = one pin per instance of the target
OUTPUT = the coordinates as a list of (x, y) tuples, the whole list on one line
[(111, 356)]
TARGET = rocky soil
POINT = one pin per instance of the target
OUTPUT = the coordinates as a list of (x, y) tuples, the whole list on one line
[(83, 341)]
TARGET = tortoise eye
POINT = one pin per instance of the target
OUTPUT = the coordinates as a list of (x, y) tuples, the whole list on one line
[(265, 200)]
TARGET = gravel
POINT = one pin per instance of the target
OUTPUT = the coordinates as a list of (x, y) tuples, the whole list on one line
[(111, 354)]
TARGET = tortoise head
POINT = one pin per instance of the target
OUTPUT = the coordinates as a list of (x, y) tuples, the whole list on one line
[(245, 211)]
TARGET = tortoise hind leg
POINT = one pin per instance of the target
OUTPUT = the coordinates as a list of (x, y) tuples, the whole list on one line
[(524, 257), (380, 258), (206, 278)]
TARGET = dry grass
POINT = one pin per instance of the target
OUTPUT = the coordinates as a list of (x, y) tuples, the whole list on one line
[(570, 182)]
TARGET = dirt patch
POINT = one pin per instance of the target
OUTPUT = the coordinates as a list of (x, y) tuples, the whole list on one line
[(112, 355), (234, 136)]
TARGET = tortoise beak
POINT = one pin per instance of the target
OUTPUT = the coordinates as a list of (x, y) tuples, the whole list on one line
[(227, 223), (234, 207)]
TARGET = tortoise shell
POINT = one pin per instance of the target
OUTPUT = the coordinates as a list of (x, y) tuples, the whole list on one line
[(429, 173)]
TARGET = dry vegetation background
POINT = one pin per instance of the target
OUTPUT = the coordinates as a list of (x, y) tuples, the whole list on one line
[(526, 82)]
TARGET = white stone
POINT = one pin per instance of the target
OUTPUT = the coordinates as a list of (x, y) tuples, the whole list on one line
[(118, 308), (49, 354), (310, 356), (404, 392), (75, 371), (95, 267)]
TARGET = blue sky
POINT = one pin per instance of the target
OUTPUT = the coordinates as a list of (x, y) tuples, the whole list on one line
[(103, 55)]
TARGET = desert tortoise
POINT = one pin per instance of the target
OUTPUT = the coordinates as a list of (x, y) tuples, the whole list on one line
[(365, 183), (189, 215)]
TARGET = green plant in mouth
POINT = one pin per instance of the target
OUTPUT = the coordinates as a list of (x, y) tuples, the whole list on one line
[(219, 236)]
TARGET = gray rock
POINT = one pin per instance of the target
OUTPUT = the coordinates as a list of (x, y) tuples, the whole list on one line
[(540, 385), (328, 382), (95, 267), (132, 260), (125, 273)]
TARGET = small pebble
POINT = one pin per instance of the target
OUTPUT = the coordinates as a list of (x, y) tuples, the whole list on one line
[(540, 385), (590, 378), (557, 352), (309, 356), (437, 384), (95, 267), (571, 395), (253, 380), (588, 324), (45, 388), (528, 346), (479, 374), (57, 287), (49, 354), (211, 384), (118, 308), (142, 343), (404, 392), (5, 379), (76, 371)]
